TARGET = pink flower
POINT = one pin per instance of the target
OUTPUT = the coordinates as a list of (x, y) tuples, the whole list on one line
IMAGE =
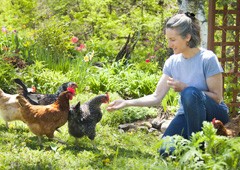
[(152, 57), (74, 40), (81, 47), (4, 29), (147, 60)]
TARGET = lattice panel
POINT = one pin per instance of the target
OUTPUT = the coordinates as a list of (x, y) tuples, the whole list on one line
[(223, 39)]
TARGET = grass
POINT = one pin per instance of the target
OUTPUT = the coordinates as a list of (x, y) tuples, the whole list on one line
[(19, 148), (114, 150)]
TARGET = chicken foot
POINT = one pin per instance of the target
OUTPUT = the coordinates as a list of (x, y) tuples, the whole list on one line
[(59, 140)]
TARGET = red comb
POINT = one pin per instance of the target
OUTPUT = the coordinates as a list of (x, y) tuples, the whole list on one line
[(34, 89), (71, 90), (213, 121)]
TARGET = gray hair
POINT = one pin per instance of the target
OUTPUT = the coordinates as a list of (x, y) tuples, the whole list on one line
[(186, 25)]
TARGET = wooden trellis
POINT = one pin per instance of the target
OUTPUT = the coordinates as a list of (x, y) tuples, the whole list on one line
[(223, 39)]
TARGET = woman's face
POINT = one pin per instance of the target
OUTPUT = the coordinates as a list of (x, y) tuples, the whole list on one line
[(176, 42)]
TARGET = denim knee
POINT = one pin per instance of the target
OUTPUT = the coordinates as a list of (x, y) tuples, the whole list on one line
[(168, 147), (164, 153), (189, 95)]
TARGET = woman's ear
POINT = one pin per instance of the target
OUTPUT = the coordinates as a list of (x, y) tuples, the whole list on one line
[(188, 37)]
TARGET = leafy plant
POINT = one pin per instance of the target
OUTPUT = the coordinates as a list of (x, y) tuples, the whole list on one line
[(205, 150), (6, 76), (52, 42), (123, 79)]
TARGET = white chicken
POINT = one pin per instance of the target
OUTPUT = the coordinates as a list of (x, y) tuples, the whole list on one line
[(9, 107)]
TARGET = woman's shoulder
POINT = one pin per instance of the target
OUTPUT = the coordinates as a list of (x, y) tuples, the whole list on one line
[(172, 59), (175, 56), (207, 54)]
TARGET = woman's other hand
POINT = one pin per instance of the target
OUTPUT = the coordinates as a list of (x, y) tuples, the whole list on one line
[(176, 85)]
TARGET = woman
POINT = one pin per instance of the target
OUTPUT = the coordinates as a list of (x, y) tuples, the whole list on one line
[(192, 71)]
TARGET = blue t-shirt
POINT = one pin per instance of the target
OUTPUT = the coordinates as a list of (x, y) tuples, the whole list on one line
[(193, 71)]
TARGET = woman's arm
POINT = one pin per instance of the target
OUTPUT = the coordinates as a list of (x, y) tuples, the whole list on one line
[(215, 86), (149, 100)]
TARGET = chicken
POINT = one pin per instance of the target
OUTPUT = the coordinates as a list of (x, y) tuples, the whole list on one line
[(230, 129), (43, 99), (83, 118), (9, 107), (45, 119)]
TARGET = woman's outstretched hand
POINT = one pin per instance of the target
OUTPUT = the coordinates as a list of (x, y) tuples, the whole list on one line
[(117, 104)]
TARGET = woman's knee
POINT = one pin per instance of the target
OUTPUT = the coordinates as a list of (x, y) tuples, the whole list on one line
[(190, 94)]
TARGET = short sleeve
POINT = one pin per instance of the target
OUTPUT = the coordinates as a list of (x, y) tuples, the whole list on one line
[(167, 67), (212, 66)]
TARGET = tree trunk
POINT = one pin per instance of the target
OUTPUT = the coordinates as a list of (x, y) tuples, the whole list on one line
[(196, 7)]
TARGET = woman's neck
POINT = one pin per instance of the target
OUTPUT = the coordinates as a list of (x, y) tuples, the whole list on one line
[(191, 52)]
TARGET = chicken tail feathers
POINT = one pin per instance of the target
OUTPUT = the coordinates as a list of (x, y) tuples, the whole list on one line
[(19, 82), (25, 91)]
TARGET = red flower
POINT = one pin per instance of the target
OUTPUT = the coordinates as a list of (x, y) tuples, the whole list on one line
[(81, 47), (74, 40), (147, 60)]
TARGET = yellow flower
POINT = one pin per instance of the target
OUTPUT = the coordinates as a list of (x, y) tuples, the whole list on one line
[(26, 44), (86, 58), (89, 56), (106, 161)]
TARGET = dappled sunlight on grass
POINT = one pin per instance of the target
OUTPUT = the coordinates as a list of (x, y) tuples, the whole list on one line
[(110, 145), (114, 149)]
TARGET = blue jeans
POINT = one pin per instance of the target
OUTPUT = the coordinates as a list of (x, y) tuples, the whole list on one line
[(198, 107)]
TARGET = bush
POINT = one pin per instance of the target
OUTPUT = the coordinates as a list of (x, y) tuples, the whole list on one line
[(7, 73)]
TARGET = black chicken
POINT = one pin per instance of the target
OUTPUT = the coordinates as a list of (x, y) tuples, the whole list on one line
[(82, 119), (43, 99)]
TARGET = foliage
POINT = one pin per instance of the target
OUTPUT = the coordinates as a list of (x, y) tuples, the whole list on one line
[(45, 80), (115, 150), (170, 101), (228, 35), (6, 76), (124, 79), (103, 26), (18, 14), (127, 115), (40, 33), (205, 150)]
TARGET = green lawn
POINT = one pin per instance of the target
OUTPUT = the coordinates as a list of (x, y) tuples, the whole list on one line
[(115, 150)]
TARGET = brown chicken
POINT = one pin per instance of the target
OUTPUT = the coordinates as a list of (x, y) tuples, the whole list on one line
[(230, 129), (45, 119), (9, 107)]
